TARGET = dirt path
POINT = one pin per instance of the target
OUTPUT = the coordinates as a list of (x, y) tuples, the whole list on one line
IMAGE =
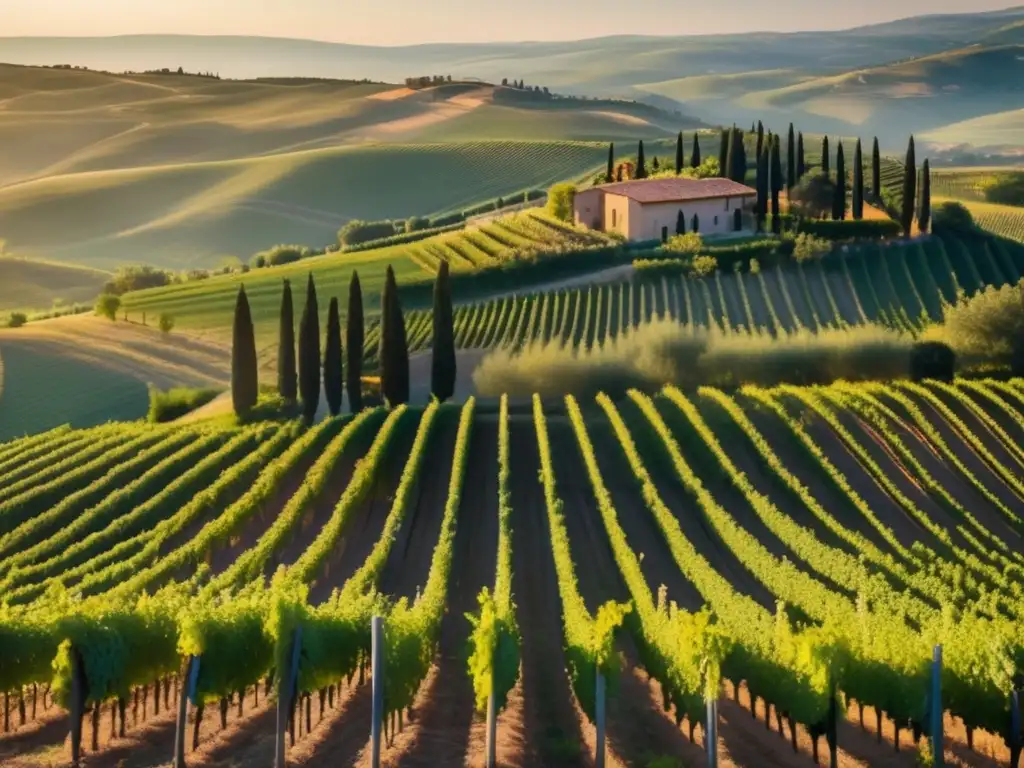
[(443, 734)]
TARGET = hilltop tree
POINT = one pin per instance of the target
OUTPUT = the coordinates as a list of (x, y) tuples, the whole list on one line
[(776, 185), (309, 353), (333, 374), (609, 174), (839, 199), (723, 154), (760, 139), (909, 189), (680, 222), (286, 376), (245, 386), (679, 153), (791, 158), (801, 163), (695, 158), (857, 203), (354, 340), (825, 162), (393, 351), (761, 206), (876, 171), (641, 163), (924, 213), (442, 368)]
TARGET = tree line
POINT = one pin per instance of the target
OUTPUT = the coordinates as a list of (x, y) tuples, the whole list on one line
[(304, 372)]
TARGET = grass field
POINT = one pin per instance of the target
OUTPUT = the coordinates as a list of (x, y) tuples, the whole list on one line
[(863, 505), (26, 283), (84, 370), (998, 132)]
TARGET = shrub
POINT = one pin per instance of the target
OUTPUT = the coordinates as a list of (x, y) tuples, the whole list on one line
[(446, 220), (166, 322), (850, 229), (809, 248), (107, 305), (175, 403), (560, 201), (952, 217), (664, 352), (702, 266), (357, 231), (280, 254), (17, 319), (813, 196), (136, 277), (691, 243), (988, 328), (1007, 189), (416, 223), (932, 360)]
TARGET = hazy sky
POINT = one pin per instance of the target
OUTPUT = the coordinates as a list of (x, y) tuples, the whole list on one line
[(396, 22)]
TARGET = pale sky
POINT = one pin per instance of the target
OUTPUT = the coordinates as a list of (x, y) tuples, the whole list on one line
[(399, 22)]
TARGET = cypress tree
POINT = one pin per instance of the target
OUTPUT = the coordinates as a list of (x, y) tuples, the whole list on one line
[(760, 139), (876, 171), (655, 165), (286, 376), (924, 213), (839, 196), (695, 153), (333, 374), (791, 158), (309, 353), (609, 175), (776, 185), (825, 156), (245, 386), (909, 189), (723, 154), (442, 368), (679, 153), (618, 173), (641, 163), (680, 222), (354, 340), (393, 351), (801, 163), (695, 224), (737, 157), (857, 203), (761, 210)]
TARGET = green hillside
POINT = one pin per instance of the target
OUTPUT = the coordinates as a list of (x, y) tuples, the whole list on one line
[(999, 132), (26, 283)]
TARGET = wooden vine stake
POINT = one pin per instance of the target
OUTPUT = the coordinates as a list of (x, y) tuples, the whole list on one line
[(285, 698), (935, 709), (377, 678), (711, 733), (492, 726), (78, 694), (190, 674), (599, 719)]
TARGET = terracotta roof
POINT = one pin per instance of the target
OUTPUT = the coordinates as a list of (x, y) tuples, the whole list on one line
[(673, 189)]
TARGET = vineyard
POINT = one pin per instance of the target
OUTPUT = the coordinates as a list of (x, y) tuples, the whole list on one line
[(797, 544), (900, 285)]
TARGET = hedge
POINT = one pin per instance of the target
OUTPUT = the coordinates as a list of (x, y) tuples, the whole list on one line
[(404, 237), (850, 229)]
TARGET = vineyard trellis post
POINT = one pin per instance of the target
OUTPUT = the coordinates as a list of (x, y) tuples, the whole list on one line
[(599, 719), (1015, 729), (711, 732), (492, 726), (935, 708), (190, 676), (285, 694), (79, 691), (377, 678)]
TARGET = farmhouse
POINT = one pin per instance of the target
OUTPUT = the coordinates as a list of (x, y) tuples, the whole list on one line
[(648, 209)]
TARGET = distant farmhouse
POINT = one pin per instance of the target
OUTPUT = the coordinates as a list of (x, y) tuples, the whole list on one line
[(649, 209)]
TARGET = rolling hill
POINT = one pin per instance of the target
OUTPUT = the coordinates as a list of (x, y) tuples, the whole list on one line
[(31, 284), (181, 171)]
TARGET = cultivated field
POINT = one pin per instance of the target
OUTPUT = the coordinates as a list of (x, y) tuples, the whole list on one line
[(870, 505), (1004, 220)]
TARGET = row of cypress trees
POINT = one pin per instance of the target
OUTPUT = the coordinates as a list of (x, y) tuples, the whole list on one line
[(299, 376), (641, 171)]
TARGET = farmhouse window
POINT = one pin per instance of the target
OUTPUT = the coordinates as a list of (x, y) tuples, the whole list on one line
[(716, 221), (727, 203), (614, 217)]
